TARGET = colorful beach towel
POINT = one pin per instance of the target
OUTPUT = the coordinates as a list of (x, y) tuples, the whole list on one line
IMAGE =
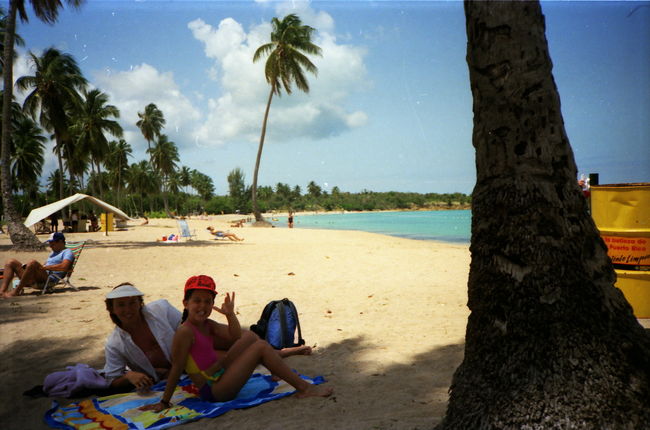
[(121, 411)]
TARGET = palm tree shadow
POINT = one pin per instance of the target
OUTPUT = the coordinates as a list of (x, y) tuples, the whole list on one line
[(25, 365), (367, 395)]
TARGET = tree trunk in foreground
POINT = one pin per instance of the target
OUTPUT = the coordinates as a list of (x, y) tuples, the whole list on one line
[(21, 236), (550, 342)]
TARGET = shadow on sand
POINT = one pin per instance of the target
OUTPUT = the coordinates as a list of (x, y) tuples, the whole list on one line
[(413, 394)]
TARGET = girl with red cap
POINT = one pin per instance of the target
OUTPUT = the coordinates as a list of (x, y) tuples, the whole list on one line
[(219, 378)]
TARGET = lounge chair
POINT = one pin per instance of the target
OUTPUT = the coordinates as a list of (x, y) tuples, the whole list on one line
[(184, 230), (54, 279)]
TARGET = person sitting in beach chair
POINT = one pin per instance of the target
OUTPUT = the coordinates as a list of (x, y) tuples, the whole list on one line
[(220, 234), (35, 274)]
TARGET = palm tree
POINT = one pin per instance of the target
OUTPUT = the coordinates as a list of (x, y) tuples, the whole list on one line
[(118, 153), (185, 177), (137, 179), (203, 185), (164, 156), (550, 342), (92, 120), (290, 41), (3, 26), (151, 123), (55, 85), (47, 11), (28, 146)]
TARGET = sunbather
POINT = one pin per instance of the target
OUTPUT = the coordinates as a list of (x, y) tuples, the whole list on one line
[(221, 233), (220, 377), (138, 351), (35, 274)]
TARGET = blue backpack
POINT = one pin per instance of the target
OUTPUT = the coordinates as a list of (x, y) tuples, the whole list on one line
[(278, 324)]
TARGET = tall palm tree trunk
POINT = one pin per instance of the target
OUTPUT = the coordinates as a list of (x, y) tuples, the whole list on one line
[(256, 211), (21, 237), (550, 341), (61, 174), (99, 177)]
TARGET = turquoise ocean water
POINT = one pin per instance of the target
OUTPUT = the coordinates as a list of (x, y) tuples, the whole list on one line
[(446, 226)]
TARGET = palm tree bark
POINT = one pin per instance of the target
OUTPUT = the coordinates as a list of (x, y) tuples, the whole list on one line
[(21, 237), (550, 341), (256, 211)]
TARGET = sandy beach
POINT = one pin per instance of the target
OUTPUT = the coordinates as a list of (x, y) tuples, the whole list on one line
[(386, 317)]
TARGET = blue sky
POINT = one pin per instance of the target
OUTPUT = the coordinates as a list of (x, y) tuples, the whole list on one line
[(391, 107)]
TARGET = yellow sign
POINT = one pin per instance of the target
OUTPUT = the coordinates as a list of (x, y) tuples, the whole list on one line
[(634, 251)]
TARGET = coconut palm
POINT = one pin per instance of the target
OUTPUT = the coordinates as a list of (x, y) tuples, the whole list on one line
[(151, 123), (142, 180), (47, 11), (92, 120), (54, 90), (550, 342), (3, 26), (185, 177), (203, 184), (117, 163), (28, 146), (164, 156), (290, 41)]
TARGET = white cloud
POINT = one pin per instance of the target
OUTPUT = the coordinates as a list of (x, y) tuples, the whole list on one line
[(238, 112), (132, 90)]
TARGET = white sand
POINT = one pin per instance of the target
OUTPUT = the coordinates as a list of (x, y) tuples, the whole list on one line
[(387, 317)]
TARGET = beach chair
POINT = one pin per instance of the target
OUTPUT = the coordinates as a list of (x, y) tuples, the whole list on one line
[(54, 279), (184, 230)]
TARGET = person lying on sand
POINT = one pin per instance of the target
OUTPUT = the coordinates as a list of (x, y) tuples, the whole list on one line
[(220, 377), (138, 351), (35, 274), (221, 233)]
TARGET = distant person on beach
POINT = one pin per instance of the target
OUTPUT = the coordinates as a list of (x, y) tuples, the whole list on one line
[(54, 222), (221, 233), (75, 220), (138, 352), (146, 220), (219, 377), (33, 273), (290, 219), (94, 226)]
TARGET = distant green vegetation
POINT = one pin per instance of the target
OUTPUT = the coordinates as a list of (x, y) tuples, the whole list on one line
[(284, 197)]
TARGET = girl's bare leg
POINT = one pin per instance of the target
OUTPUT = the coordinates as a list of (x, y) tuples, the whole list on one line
[(242, 366), (295, 350)]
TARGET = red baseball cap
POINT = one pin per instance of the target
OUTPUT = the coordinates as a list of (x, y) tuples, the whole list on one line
[(200, 282)]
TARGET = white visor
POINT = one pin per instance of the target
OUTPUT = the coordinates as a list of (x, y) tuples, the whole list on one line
[(127, 290)]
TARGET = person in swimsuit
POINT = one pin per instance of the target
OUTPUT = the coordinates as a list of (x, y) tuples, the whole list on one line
[(138, 351), (221, 233), (219, 377)]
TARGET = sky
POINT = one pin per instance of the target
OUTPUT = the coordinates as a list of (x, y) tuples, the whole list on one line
[(390, 108)]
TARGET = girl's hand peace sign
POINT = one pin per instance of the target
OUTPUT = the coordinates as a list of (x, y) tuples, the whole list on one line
[(228, 306)]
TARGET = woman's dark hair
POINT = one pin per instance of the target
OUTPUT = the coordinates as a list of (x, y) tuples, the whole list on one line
[(109, 306), (186, 297)]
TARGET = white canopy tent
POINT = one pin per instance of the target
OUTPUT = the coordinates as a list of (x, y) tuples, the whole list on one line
[(45, 211)]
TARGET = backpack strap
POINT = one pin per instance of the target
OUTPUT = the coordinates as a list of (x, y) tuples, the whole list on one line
[(294, 311), (283, 322)]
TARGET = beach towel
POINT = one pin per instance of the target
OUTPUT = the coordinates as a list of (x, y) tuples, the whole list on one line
[(121, 411)]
